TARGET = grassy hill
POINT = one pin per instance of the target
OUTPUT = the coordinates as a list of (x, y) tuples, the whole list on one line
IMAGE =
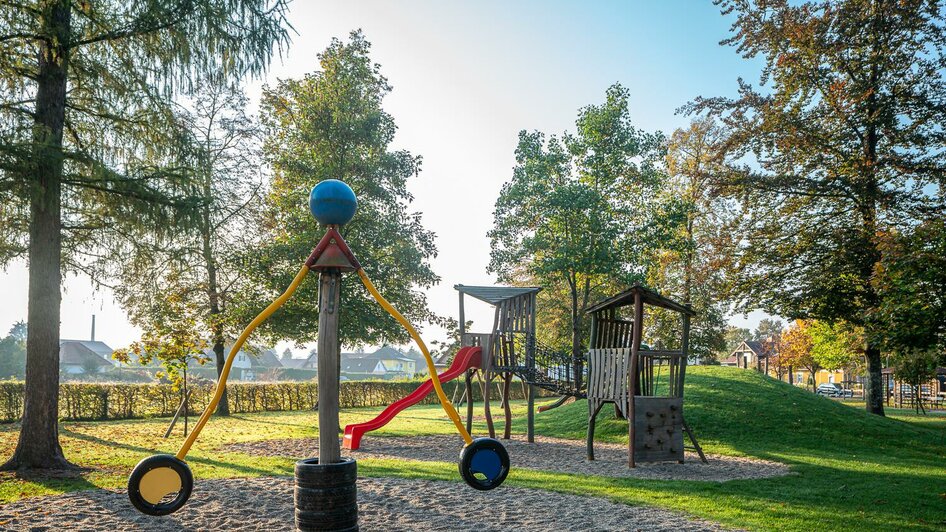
[(850, 470)]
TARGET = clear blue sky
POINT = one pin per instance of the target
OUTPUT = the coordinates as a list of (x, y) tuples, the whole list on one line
[(467, 77)]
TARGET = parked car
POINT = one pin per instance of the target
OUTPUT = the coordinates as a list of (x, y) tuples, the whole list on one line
[(833, 390)]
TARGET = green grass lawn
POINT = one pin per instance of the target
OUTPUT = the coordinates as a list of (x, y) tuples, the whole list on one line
[(849, 469)]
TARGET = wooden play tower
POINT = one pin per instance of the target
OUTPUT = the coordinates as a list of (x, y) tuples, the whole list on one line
[(619, 363)]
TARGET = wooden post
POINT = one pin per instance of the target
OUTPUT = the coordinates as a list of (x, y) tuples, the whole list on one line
[(685, 348), (328, 360), (632, 384), (530, 362)]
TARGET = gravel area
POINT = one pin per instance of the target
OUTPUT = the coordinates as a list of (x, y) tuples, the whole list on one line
[(546, 454), (384, 504)]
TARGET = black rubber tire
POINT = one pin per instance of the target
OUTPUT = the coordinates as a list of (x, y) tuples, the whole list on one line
[(311, 474), (466, 461), (154, 462), (326, 497)]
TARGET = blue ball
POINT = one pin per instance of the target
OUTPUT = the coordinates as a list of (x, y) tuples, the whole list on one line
[(332, 202)]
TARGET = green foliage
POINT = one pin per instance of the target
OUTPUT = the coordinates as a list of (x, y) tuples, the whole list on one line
[(331, 125), (124, 158), (912, 283), (735, 336), (836, 346), (767, 328), (101, 401), (13, 352), (690, 254), (194, 274), (174, 340), (571, 216), (835, 149)]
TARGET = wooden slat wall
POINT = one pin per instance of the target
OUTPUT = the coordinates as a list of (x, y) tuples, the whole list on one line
[(611, 331), (607, 377)]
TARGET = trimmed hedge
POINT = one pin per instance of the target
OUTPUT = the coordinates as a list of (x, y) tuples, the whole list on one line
[(96, 402)]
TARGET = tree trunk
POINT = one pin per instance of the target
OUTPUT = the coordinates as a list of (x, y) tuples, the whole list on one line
[(213, 295), (38, 445), (874, 394), (577, 366)]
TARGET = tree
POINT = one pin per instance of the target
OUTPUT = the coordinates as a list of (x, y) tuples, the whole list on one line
[(172, 338), (331, 125), (286, 354), (568, 218), (691, 255), (795, 350), (767, 328), (440, 348), (13, 352), (917, 367), (89, 149), (196, 268), (836, 346), (835, 149)]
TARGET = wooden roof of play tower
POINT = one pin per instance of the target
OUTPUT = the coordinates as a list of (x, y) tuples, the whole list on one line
[(648, 296), (495, 294)]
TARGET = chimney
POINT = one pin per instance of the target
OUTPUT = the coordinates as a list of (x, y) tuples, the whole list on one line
[(93, 327)]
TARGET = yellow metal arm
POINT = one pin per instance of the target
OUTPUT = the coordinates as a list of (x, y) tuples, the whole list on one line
[(222, 382), (434, 377)]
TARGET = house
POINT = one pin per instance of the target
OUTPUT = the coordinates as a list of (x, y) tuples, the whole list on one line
[(250, 365), (76, 358), (394, 361), (749, 354), (99, 348), (364, 366)]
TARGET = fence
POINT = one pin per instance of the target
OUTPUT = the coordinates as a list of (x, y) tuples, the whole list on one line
[(95, 402)]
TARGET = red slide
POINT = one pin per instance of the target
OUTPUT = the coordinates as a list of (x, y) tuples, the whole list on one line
[(467, 358)]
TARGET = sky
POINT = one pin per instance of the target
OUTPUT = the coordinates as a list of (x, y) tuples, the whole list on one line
[(467, 77)]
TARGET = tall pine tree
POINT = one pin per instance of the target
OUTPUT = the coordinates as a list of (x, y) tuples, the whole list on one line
[(89, 148)]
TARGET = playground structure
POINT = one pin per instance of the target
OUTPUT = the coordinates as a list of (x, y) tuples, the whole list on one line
[(615, 363), (325, 496), (618, 364)]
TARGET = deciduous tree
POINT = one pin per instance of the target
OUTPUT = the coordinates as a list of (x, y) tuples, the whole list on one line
[(569, 216), (835, 148), (197, 268), (331, 124)]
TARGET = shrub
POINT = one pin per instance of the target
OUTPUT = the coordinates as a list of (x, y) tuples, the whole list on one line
[(81, 401)]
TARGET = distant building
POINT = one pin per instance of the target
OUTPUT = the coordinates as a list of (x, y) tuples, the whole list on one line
[(99, 348), (75, 358), (749, 354), (762, 357), (249, 365)]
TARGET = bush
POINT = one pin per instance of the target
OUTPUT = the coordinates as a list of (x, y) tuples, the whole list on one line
[(80, 401)]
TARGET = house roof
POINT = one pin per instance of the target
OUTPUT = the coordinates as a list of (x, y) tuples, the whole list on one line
[(294, 362), (75, 353), (259, 358), (99, 348), (755, 346), (360, 365), (495, 294), (648, 296)]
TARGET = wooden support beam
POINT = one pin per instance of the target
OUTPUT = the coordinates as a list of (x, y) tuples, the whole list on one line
[(328, 361), (632, 377)]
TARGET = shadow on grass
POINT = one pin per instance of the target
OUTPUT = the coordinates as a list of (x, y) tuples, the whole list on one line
[(145, 451)]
